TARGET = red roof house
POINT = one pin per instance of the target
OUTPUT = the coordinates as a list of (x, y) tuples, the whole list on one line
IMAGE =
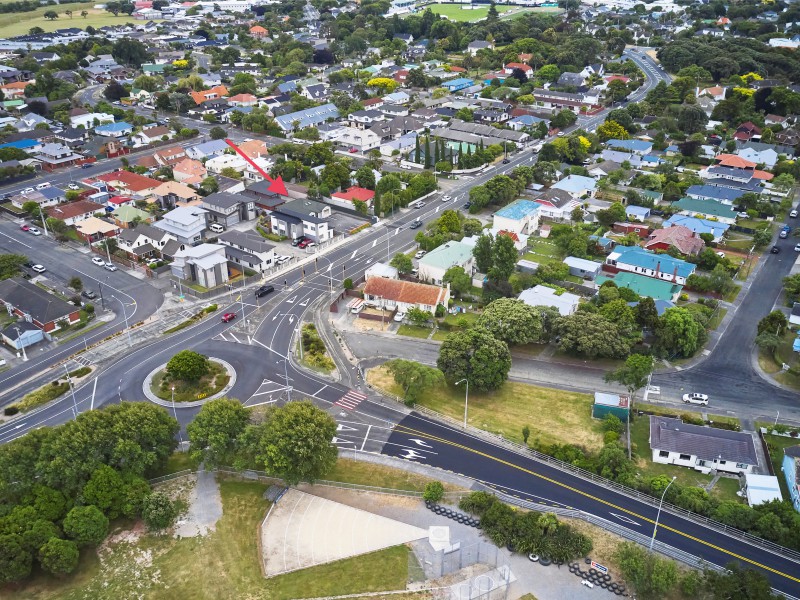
[(355, 193), (683, 238)]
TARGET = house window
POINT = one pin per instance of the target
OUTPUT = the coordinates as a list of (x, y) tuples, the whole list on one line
[(742, 465), (722, 462), (663, 454), (684, 457)]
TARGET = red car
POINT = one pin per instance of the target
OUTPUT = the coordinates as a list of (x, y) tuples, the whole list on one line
[(227, 317), (24, 227), (353, 150)]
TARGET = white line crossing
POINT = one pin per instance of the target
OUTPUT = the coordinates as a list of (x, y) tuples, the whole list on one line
[(351, 400)]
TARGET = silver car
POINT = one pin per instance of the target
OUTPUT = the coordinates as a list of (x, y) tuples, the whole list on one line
[(695, 398)]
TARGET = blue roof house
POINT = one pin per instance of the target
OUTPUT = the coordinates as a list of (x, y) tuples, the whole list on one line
[(636, 146), (310, 117), (791, 472), (637, 213), (521, 216), (576, 185), (116, 130), (641, 262), (455, 85)]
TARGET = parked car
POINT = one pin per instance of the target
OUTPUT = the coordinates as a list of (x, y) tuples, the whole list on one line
[(353, 150), (110, 266), (279, 260), (775, 250), (695, 398), (73, 186), (88, 294), (797, 247), (399, 316), (34, 230), (306, 243), (264, 290), (38, 268), (98, 261), (416, 224), (296, 241), (228, 317), (420, 254)]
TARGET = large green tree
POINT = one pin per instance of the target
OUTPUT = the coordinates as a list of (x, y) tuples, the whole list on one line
[(483, 253), (187, 365), (294, 443), (475, 355), (15, 561), (105, 491), (679, 333), (592, 335), (402, 262), (10, 264), (414, 377), (87, 525), (158, 511), (504, 257), (459, 280), (633, 374), (59, 557), (215, 431), (512, 321)]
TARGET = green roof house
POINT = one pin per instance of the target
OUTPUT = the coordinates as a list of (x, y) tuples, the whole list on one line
[(706, 209), (434, 265), (657, 289)]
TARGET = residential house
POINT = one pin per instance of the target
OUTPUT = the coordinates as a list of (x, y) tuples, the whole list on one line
[(362, 140), (71, 136), (94, 230), (21, 334), (310, 117), (639, 147), (87, 120), (723, 195), (364, 119), (403, 295), (172, 193), (747, 131), (353, 194), (455, 85), (302, 218), (228, 209), (169, 157), (521, 216), (508, 68), (704, 449), (185, 223), (35, 305), (15, 90), (254, 148), (706, 209), (766, 156), (137, 185), (189, 172), (474, 47), (143, 240), (115, 130), (794, 316), (625, 228), (74, 212), (681, 238), (540, 295), (248, 249), (265, 199), (555, 101), (208, 149), (583, 268), (205, 264), (225, 161), (435, 263), (660, 266), (791, 473), (577, 186), (698, 226), (657, 289), (556, 204), (242, 100), (152, 135), (759, 489), (128, 216), (56, 156), (215, 93)]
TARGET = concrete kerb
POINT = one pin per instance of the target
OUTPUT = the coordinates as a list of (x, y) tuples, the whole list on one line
[(168, 404)]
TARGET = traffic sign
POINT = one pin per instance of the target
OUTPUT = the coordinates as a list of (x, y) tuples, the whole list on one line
[(599, 567)]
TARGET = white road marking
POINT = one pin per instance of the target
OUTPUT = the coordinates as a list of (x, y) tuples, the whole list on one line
[(320, 389), (366, 437)]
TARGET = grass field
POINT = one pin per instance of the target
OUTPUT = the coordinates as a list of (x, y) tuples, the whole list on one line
[(12, 24), (554, 416), (542, 251), (465, 12)]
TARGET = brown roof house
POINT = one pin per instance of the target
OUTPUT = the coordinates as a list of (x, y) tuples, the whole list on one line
[(683, 238), (74, 212), (403, 295)]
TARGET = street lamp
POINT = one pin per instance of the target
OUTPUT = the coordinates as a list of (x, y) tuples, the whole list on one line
[(125, 314), (466, 399), (72, 389), (175, 414), (22, 344), (658, 514)]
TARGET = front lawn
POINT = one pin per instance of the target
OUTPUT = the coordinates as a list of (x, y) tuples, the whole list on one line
[(554, 416)]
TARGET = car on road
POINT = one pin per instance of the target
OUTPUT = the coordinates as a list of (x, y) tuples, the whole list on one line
[(399, 316), (446, 198), (797, 247), (793, 214), (88, 294), (785, 232), (264, 290), (28, 190), (38, 268), (110, 266), (506, 161), (775, 250), (467, 204), (34, 230), (98, 261), (86, 166), (228, 317), (416, 224), (695, 398), (73, 186), (24, 227), (420, 254), (43, 186)]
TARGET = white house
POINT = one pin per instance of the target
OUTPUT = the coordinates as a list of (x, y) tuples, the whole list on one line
[(434, 265), (541, 295), (521, 216), (224, 161), (205, 264), (302, 217), (248, 249), (704, 449), (185, 223), (360, 139), (388, 293), (89, 120), (143, 240)]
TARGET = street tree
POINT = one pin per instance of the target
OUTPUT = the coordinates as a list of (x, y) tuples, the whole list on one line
[(294, 443), (767, 340), (87, 525), (217, 133), (59, 557), (475, 355), (592, 335), (75, 283), (10, 264), (215, 431), (678, 333), (459, 280), (187, 365), (633, 374), (775, 323), (414, 377), (737, 582), (402, 262), (158, 511), (512, 321)]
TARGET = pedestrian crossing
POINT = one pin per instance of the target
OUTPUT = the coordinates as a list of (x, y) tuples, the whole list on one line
[(351, 400), (82, 360)]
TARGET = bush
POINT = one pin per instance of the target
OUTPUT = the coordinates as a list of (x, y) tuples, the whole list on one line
[(10, 410), (348, 284), (80, 372), (158, 511), (610, 436), (434, 492), (209, 309)]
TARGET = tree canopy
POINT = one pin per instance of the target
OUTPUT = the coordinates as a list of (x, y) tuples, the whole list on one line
[(475, 355)]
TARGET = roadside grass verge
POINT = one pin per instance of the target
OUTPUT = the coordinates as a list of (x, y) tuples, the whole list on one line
[(554, 416), (192, 320), (414, 331), (363, 473)]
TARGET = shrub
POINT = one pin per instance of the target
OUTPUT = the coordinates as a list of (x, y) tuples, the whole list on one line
[(80, 372), (158, 511), (434, 492), (11, 410), (348, 284)]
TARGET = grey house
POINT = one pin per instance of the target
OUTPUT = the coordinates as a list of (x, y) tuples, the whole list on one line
[(228, 209), (248, 249)]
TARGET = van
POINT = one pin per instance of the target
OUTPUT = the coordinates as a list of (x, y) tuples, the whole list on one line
[(216, 228), (42, 186)]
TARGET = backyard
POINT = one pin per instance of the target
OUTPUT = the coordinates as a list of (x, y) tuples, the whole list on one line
[(776, 444), (554, 416)]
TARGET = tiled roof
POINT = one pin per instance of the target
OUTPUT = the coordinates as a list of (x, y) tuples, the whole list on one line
[(731, 160), (74, 209), (404, 291), (355, 193), (35, 301), (706, 443), (679, 236)]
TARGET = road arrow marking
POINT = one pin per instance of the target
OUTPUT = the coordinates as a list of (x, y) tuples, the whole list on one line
[(291, 319), (336, 440), (420, 443), (329, 268), (625, 519), (374, 243), (353, 255), (304, 302), (341, 427), (291, 300), (410, 454)]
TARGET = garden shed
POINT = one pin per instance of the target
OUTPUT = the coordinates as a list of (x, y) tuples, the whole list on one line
[(610, 404)]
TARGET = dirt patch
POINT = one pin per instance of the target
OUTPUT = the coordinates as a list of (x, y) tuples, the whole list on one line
[(365, 325)]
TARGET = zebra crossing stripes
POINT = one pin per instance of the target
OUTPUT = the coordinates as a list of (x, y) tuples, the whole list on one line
[(351, 400)]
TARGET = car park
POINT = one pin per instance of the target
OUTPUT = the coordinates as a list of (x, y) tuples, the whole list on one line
[(88, 294), (38, 268), (264, 290), (33, 230), (775, 250), (420, 254), (98, 261), (416, 224), (110, 266), (695, 398), (228, 317)]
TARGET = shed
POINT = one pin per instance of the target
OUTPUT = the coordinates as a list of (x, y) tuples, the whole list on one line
[(580, 267), (527, 266), (610, 404), (761, 488)]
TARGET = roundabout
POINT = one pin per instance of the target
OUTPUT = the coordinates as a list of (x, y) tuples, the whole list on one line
[(204, 390)]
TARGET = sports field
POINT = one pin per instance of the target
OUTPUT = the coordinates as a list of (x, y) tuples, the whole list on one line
[(475, 12), (12, 24)]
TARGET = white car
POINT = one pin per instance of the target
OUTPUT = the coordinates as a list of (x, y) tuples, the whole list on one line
[(74, 186), (399, 316), (420, 254), (742, 215), (797, 248), (695, 398), (98, 261), (446, 198), (38, 268), (28, 190), (110, 266), (34, 231)]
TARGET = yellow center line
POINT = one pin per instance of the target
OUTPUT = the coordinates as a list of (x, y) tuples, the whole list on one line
[(595, 498)]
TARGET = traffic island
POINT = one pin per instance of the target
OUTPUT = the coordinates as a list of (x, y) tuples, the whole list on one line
[(216, 380)]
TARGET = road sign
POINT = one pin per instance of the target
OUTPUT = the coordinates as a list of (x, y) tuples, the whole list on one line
[(599, 567)]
